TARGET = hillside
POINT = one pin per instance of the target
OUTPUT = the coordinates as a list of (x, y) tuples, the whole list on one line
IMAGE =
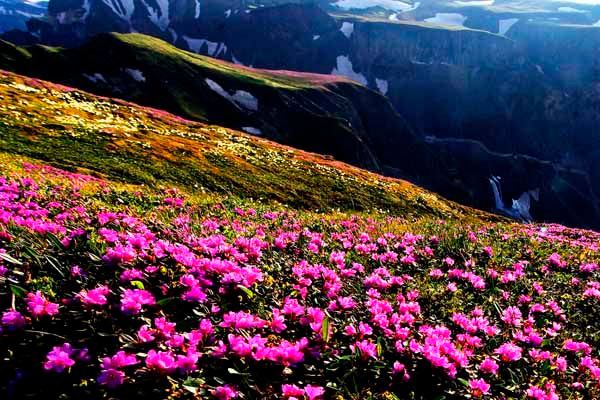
[(71, 128), (115, 285), (320, 113)]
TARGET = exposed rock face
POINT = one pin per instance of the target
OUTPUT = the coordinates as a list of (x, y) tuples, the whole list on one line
[(15, 13)]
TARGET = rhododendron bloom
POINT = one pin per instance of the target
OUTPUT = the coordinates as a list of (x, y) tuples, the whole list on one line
[(489, 366), (509, 352), (226, 392), (111, 378), (161, 361), (38, 305), (479, 387), (577, 347), (132, 300), (13, 320), (291, 391), (120, 360), (242, 320), (512, 316), (367, 349), (94, 297), (59, 358), (314, 392)]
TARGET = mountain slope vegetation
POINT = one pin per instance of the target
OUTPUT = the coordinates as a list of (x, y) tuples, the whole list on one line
[(143, 263), (71, 128)]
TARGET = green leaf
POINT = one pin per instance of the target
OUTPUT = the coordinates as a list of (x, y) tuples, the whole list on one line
[(463, 381), (325, 330), (54, 263), (9, 259), (248, 292), (18, 291), (137, 285), (191, 389), (165, 301)]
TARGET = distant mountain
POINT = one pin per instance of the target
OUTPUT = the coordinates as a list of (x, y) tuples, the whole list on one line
[(174, 19), (320, 113), (14, 14)]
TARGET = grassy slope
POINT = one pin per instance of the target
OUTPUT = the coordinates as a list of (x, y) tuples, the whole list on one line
[(155, 51), (73, 129), (185, 71), (167, 52)]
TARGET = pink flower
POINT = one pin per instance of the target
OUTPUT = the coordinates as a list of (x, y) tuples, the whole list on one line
[(449, 261), (479, 387), (577, 347), (509, 352), (226, 392), (38, 306), (367, 349), (111, 378), (119, 360), (556, 261), (187, 363), (489, 366), (512, 316), (289, 391), (132, 300), (242, 320), (314, 392), (161, 361), (292, 309), (59, 358), (94, 297), (13, 320)]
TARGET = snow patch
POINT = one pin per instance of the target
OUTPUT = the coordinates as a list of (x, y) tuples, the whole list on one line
[(160, 16), (474, 3), (197, 10), (583, 2), (382, 85), (345, 68), (96, 77), (347, 29), (240, 98), (391, 5), (316, 37), (235, 60), (228, 13), (251, 130), (451, 19), (173, 34), (213, 48), (86, 9), (246, 100), (136, 74), (123, 8), (504, 25), (570, 10)]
